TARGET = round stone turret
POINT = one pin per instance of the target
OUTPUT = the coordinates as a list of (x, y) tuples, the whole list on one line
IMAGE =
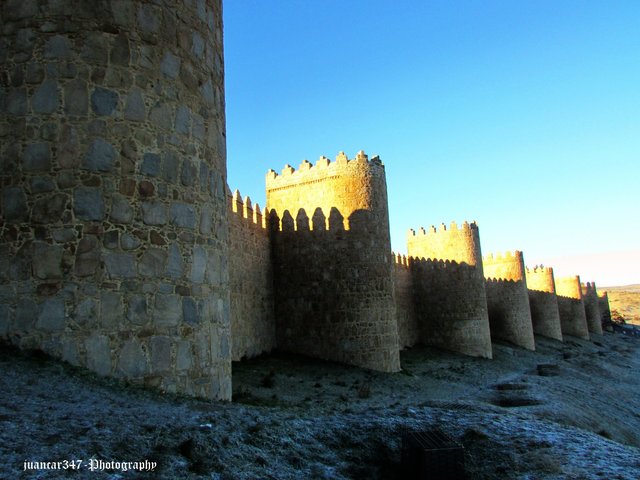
[(113, 238)]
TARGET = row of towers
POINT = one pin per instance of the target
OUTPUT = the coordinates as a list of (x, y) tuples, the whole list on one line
[(320, 278), (474, 299), (122, 251)]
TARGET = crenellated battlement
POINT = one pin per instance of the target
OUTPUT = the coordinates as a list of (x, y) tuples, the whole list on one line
[(502, 257), (248, 211), (442, 229), (400, 260), (539, 269), (324, 169)]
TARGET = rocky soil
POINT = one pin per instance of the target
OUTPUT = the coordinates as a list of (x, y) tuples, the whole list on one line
[(567, 411)]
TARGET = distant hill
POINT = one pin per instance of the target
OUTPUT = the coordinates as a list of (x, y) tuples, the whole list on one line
[(626, 301)]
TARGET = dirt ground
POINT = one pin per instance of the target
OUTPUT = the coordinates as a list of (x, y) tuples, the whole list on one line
[(567, 411), (626, 302)]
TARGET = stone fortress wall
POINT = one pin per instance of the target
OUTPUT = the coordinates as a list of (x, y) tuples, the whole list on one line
[(114, 238), (543, 302), (592, 307), (250, 280), (573, 317), (122, 250), (332, 263), (448, 288), (603, 305), (508, 299), (408, 328)]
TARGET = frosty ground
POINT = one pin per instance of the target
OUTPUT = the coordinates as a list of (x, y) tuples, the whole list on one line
[(569, 410)]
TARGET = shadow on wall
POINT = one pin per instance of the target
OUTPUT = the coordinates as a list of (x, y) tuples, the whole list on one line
[(544, 313), (451, 306), (509, 311), (333, 287)]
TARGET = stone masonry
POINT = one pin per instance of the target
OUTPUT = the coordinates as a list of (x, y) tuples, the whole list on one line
[(253, 328), (592, 307), (113, 235), (508, 299), (543, 302), (333, 287), (571, 307), (449, 290)]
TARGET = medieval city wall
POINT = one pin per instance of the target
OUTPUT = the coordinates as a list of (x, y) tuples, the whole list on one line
[(543, 302), (592, 307), (449, 289), (332, 264), (508, 299), (253, 328), (408, 331), (573, 318), (114, 235), (605, 310)]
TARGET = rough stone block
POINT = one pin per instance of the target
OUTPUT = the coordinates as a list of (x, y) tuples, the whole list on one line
[(175, 264), (197, 45), (137, 310), (86, 264), (111, 239), (51, 317), (120, 52), (95, 49), (86, 313), (42, 185), (100, 157), (111, 309), (149, 20), (160, 354), (120, 265), (167, 310), (46, 97), (132, 362), (134, 108), (48, 261), (98, 354), (88, 203), (76, 97), (14, 205), (184, 358), (170, 65), (150, 164), (190, 311), (48, 210), (199, 264), (170, 165), (104, 101), (189, 173), (57, 47), (16, 102), (183, 215), (152, 263), (129, 242), (36, 157), (154, 213), (64, 235), (183, 120), (161, 115), (121, 211), (206, 219)]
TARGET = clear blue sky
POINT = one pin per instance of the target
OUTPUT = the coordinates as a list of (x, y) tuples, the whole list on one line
[(522, 115)]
